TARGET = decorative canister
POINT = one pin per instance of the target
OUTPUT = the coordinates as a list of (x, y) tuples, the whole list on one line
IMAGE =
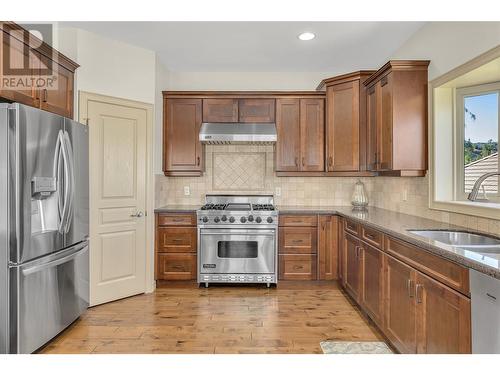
[(359, 198)]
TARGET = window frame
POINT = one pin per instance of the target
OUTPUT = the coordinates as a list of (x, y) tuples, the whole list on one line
[(459, 138)]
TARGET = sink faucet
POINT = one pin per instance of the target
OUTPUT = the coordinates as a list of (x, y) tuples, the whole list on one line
[(473, 194)]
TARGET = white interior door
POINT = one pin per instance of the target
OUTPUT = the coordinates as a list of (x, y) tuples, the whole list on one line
[(118, 164)]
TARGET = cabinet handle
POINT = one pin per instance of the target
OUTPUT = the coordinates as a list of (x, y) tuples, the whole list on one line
[(45, 94), (177, 220), (409, 287), (418, 292), (296, 161), (297, 241), (198, 161), (330, 161), (303, 161)]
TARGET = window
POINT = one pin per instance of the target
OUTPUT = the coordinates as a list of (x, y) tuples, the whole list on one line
[(477, 135)]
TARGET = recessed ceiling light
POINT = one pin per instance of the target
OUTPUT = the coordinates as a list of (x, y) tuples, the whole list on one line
[(306, 36)]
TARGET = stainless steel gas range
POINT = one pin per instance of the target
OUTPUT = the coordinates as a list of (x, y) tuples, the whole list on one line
[(237, 240)]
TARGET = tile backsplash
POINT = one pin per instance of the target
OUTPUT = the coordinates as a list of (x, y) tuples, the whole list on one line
[(245, 169)]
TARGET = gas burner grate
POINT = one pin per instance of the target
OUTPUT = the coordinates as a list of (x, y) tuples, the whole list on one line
[(213, 206)]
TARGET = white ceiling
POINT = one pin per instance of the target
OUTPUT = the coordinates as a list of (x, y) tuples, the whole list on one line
[(261, 46)]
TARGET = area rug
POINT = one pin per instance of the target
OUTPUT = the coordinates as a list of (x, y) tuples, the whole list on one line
[(355, 347)]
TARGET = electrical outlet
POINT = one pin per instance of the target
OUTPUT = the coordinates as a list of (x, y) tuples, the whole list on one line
[(277, 191), (405, 194), (187, 191)]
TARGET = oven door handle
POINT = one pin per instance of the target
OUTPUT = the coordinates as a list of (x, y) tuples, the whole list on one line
[(259, 233)]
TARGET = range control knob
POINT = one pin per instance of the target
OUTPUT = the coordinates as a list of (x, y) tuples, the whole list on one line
[(243, 219), (216, 219), (205, 219), (250, 218), (258, 219), (224, 218), (269, 219), (231, 219)]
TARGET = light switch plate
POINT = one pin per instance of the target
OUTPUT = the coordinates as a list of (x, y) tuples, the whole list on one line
[(405, 194), (187, 191)]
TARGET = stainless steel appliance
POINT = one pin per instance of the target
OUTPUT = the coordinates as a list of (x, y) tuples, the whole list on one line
[(485, 311), (44, 226), (237, 133), (237, 240)]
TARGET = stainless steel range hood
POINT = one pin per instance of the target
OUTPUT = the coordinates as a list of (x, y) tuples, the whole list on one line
[(237, 133)]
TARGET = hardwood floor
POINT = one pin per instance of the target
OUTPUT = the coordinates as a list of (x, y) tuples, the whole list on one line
[(182, 318)]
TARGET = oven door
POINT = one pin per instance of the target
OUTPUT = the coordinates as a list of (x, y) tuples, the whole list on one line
[(233, 251)]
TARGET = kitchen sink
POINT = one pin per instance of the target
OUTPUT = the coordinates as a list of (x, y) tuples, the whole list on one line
[(463, 240)]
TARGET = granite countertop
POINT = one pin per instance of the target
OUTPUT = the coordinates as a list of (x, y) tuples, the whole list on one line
[(397, 225), (394, 224)]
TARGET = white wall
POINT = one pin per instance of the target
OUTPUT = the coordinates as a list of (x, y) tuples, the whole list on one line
[(162, 82), (247, 80), (449, 44)]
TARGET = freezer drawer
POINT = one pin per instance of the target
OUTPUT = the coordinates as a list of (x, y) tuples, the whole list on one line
[(52, 292)]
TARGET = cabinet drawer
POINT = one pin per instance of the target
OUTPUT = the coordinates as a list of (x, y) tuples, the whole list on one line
[(176, 219), (297, 240), (176, 267), (297, 267), (449, 273), (351, 227), (298, 220), (176, 240), (372, 236)]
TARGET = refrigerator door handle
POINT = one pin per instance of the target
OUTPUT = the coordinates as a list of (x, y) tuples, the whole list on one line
[(77, 250), (71, 181), (61, 162)]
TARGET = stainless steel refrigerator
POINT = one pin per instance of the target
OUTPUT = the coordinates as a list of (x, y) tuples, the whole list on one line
[(44, 226)]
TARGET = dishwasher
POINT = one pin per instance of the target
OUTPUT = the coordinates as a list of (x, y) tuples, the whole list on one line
[(485, 300)]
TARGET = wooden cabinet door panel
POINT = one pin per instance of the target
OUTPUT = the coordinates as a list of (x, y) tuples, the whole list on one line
[(182, 148), (60, 98), (13, 55), (400, 317), (297, 267), (385, 126), (371, 128), (288, 129), (443, 318), (256, 110), (312, 134), (328, 252), (297, 240), (352, 263), (372, 284), (220, 110), (176, 266), (176, 240), (343, 127)]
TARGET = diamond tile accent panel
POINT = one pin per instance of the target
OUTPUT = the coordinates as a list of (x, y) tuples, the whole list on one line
[(239, 171)]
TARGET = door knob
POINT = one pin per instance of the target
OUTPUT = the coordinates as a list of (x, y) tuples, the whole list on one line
[(138, 214)]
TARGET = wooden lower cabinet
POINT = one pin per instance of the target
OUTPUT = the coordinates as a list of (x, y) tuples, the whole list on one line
[(178, 266), (372, 275), (175, 247), (400, 314), (417, 312), (443, 318), (297, 267), (352, 266)]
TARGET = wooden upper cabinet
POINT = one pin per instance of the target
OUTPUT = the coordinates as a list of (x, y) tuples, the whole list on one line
[(443, 318), (40, 63), (220, 110), (346, 122), (182, 150), (312, 134), (288, 124), (256, 110), (371, 128), (397, 118), (59, 99)]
